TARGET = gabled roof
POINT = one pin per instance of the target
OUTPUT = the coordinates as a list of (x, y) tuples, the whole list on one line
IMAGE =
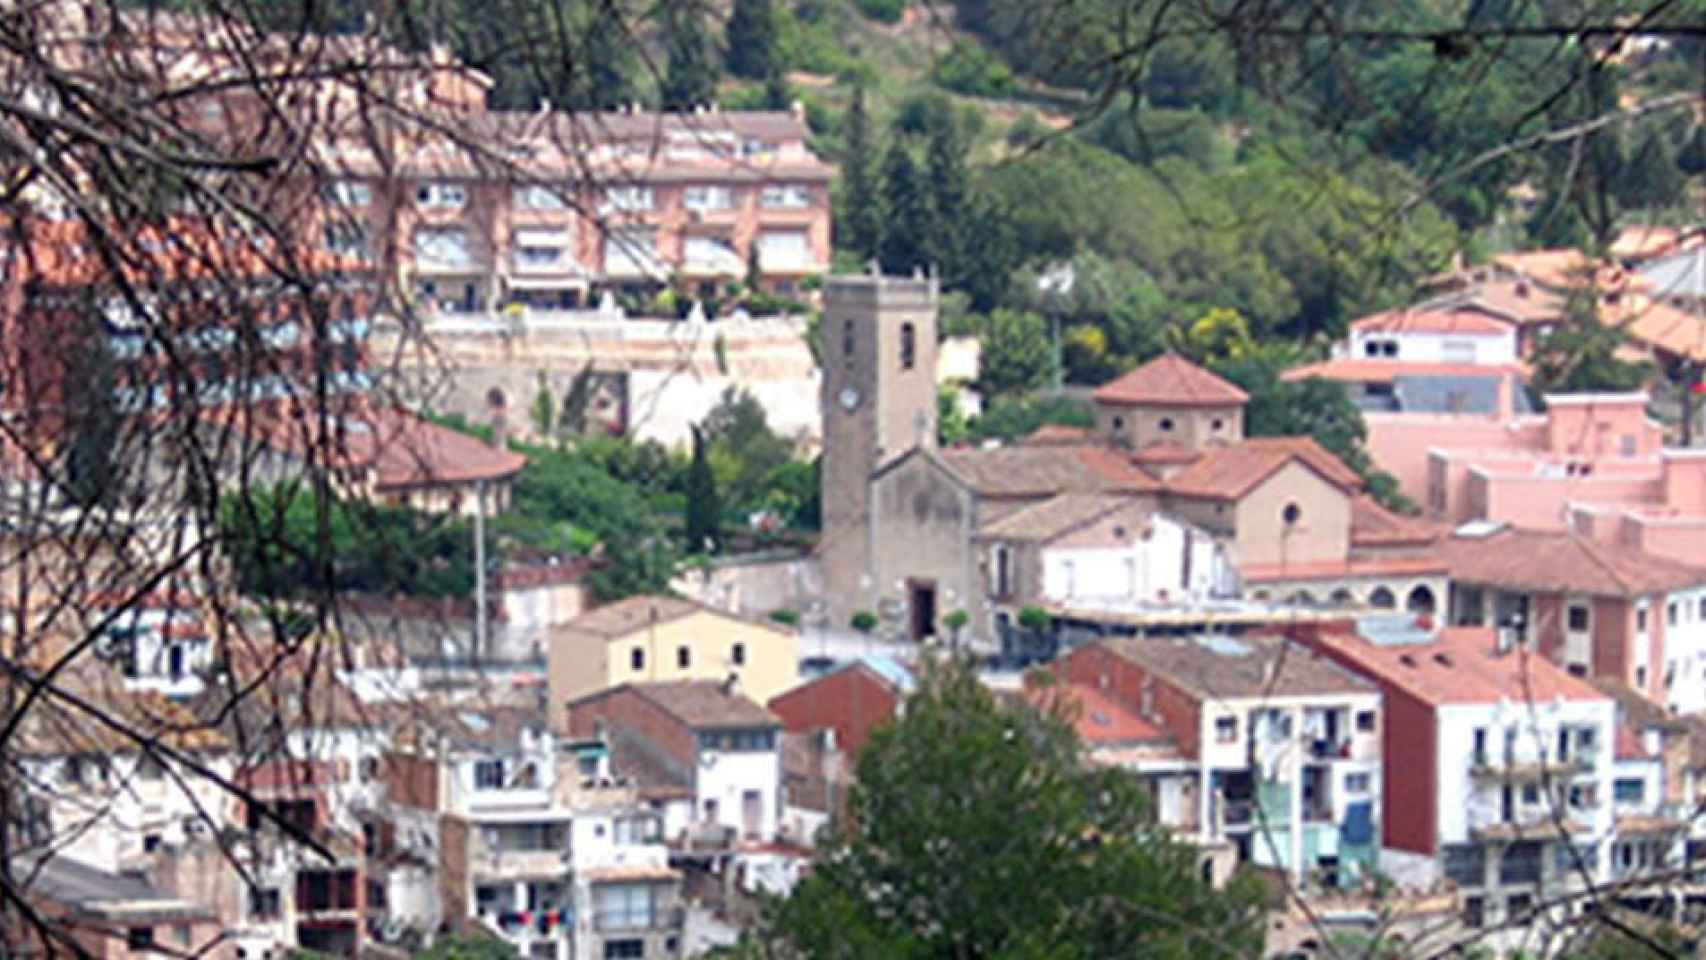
[(1659, 325), (1165, 451), (699, 704), (1041, 522), (1638, 712), (1372, 525), (1100, 718), (1057, 433), (623, 618), (1041, 470), (1170, 381), (1228, 473), (1563, 562)]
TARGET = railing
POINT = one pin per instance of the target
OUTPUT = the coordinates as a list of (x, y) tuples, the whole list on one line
[(672, 918), (1329, 750)]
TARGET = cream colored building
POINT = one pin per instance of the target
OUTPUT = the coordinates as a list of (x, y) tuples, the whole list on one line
[(651, 639)]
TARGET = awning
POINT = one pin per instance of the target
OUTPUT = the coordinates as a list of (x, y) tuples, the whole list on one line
[(541, 238), (1358, 827)]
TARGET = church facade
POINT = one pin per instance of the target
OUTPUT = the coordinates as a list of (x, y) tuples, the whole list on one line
[(1163, 502)]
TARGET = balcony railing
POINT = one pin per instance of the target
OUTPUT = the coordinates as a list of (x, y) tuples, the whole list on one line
[(608, 921), (1330, 750)]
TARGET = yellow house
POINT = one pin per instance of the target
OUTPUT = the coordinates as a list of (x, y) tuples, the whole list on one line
[(648, 639)]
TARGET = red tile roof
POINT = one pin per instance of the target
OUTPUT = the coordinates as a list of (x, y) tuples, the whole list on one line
[(1170, 381), (1563, 562), (1228, 473), (1384, 371), (1424, 319), (1057, 433), (1460, 666), (1099, 718), (1373, 525), (402, 449), (1659, 325), (1164, 451)]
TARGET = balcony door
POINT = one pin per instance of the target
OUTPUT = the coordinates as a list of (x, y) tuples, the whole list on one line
[(752, 814)]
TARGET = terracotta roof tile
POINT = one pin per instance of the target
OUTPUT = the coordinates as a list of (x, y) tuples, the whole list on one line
[(1165, 451), (1461, 665), (1044, 470), (1456, 318), (1352, 370), (1659, 325), (1248, 666), (1099, 718), (1409, 566), (1057, 433), (1374, 525), (1170, 381), (1560, 561), (1052, 517), (622, 618), (1227, 473), (700, 704)]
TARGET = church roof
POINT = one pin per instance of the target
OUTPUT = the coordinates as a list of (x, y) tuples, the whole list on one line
[(1228, 473), (1049, 519), (1170, 381), (1044, 470)]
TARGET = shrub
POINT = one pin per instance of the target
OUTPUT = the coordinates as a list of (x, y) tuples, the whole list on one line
[(786, 617), (886, 11), (969, 69), (863, 621)]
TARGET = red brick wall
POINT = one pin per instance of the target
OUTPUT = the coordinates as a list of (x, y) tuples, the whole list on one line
[(1613, 625), (1176, 711), (411, 780), (622, 707), (852, 702)]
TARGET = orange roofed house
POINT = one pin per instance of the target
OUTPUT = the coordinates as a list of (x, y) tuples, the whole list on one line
[(1163, 502)]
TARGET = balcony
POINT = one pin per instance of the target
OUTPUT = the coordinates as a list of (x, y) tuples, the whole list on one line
[(629, 921), (521, 864), (1322, 749), (513, 798)]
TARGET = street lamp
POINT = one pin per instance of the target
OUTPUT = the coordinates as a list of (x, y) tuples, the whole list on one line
[(1054, 284)]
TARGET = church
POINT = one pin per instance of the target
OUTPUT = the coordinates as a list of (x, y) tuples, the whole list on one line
[(1163, 502)]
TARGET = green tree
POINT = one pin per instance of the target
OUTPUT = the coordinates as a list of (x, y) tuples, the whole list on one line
[(952, 427), (959, 802), (1580, 355), (571, 417), (950, 187), (751, 36), (1654, 180), (1017, 354), (909, 230), (737, 431), (689, 76), (859, 225), (704, 512), (1010, 418), (544, 409)]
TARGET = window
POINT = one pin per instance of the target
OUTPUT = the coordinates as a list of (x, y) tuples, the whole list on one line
[(442, 195), (1517, 905), (1003, 571), (263, 903), (847, 343), (710, 251), (1578, 618), (1641, 619), (1119, 423), (346, 239), (1165, 424), (488, 775), (1474, 912), (148, 767), (1291, 514), (787, 195), (622, 906), (181, 933), (538, 256), (909, 347), (1365, 721), (139, 938), (1389, 348), (784, 249), (72, 772), (1457, 351), (707, 198), (1466, 865), (1670, 614), (1225, 729), (1371, 348), (1629, 790), (537, 197), (1530, 794), (683, 657), (1521, 863), (1357, 783), (629, 198), (637, 658), (351, 193), (1641, 678), (1701, 612), (150, 842), (443, 247), (624, 949), (737, 654), (1216, 425)]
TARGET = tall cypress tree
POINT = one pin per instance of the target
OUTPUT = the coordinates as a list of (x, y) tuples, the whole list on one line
[(945, 165), (703, 508), (910, 228), (751, 34), (689, 76), (859, 226)]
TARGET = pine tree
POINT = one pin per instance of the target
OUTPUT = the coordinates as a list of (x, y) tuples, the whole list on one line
[(946, 167), (600, 74), (1652, 179), (910, 228), (777, 94), (859, 225), (703, 508), (689, 78), (751, 36)]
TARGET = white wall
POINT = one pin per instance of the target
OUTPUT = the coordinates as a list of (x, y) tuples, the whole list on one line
[(1466, 802), (729, 775), (1433, 347), (1685, 651), (1142, 570)]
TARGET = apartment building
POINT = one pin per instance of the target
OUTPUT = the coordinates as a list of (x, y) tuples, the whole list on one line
[(1505, 761), (710, 757), (1596, 608), (567, 206), (1278, 749), (651, 639)]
